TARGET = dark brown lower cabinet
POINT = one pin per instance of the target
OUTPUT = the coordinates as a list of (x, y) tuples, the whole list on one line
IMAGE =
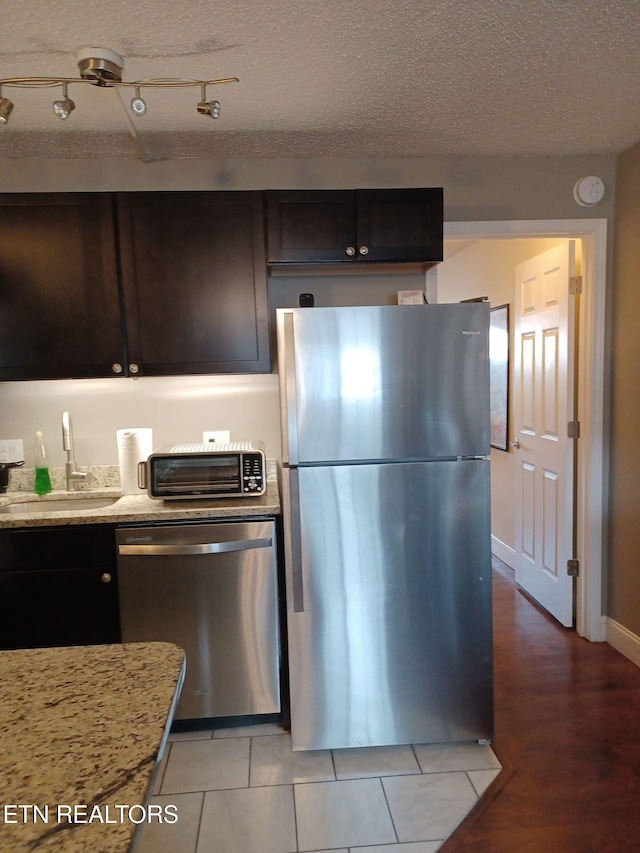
[(194, 282), (58, 587)]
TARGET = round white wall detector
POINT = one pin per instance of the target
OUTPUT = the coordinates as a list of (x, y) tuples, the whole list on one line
[(588, 191)]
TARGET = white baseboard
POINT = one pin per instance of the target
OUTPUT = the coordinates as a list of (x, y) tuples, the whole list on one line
[(623, 640), (503, 552)]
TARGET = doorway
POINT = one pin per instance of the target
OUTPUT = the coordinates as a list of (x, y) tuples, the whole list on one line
[(591, 234)]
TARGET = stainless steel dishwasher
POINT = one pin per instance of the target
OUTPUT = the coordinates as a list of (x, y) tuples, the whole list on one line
[(211, 589)]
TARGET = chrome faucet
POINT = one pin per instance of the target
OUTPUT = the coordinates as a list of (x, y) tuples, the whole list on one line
[(73, 477)]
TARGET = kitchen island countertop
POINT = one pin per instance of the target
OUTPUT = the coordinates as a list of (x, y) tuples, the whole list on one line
[(81, 731)]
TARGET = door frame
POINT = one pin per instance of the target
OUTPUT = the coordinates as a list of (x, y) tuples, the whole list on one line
[(590, 498)]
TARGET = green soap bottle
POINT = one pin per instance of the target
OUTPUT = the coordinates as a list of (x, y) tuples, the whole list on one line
[(42, 484)]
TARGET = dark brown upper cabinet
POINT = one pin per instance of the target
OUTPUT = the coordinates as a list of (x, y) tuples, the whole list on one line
[(354, 226), (194, 282), (59, 299)]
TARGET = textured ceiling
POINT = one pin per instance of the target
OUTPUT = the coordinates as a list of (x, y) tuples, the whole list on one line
[(397, 78)]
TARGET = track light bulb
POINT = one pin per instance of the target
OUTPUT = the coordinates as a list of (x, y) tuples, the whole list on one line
[(209, 108), (6, 106), (138, 105), (65, 106)]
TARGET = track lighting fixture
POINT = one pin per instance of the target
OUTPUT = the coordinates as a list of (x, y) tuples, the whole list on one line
[(5, 108), (63, 107), (103, 68)]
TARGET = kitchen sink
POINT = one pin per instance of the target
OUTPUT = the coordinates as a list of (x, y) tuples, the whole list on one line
[(62, 504)]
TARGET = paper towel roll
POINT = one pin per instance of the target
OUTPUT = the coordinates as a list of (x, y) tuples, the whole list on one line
[(134, 445)]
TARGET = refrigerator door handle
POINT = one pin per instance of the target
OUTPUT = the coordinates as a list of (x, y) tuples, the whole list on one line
[(295, 543), (290, 416)]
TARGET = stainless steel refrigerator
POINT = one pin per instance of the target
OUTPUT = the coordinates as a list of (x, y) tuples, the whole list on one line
[(385, 424)]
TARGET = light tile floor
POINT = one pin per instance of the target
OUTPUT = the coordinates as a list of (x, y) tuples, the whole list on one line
[(246, 791)]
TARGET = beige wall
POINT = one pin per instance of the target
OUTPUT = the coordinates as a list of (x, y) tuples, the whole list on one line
[(487, 268), (475, 188), (177, 408), (624, 516)]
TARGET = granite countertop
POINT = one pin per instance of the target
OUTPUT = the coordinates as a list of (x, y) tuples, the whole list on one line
[(81, 731), (132, 508)]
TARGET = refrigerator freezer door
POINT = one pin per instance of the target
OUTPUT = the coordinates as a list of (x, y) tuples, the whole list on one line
[(384, 382), (389, 603)]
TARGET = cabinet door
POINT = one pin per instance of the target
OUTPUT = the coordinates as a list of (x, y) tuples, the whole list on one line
[(354, 226), (311, 226), (58, 587), (67, 607), (194, 280), (400, 225), (59, 293)]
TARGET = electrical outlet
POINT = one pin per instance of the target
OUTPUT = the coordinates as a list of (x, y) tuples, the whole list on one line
[(11, 450), (217, 436)]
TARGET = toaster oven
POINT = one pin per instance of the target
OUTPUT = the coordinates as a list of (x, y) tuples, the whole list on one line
[(183, 471)]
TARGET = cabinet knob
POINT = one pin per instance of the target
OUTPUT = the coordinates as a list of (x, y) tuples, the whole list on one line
[(106, 578), (117, 368), (133, 368), (350, 250), (363, 250)]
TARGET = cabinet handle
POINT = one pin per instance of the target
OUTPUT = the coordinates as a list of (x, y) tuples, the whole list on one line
[(363, 250), (350, 250), (117, 368), (106, 578), (133, 368)]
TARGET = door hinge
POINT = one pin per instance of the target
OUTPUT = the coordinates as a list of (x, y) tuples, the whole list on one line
[(575, 284), (573, 429), (573, 568)]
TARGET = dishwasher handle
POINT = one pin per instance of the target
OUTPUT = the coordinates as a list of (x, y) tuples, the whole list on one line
[(145, 550)]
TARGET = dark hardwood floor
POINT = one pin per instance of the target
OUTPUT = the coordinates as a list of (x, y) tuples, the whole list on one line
[(567, 731)]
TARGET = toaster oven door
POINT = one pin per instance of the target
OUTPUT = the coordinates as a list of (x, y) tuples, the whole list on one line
[(173, 477)]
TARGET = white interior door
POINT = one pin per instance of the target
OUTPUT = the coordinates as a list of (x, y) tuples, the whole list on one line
[(544, 405)]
